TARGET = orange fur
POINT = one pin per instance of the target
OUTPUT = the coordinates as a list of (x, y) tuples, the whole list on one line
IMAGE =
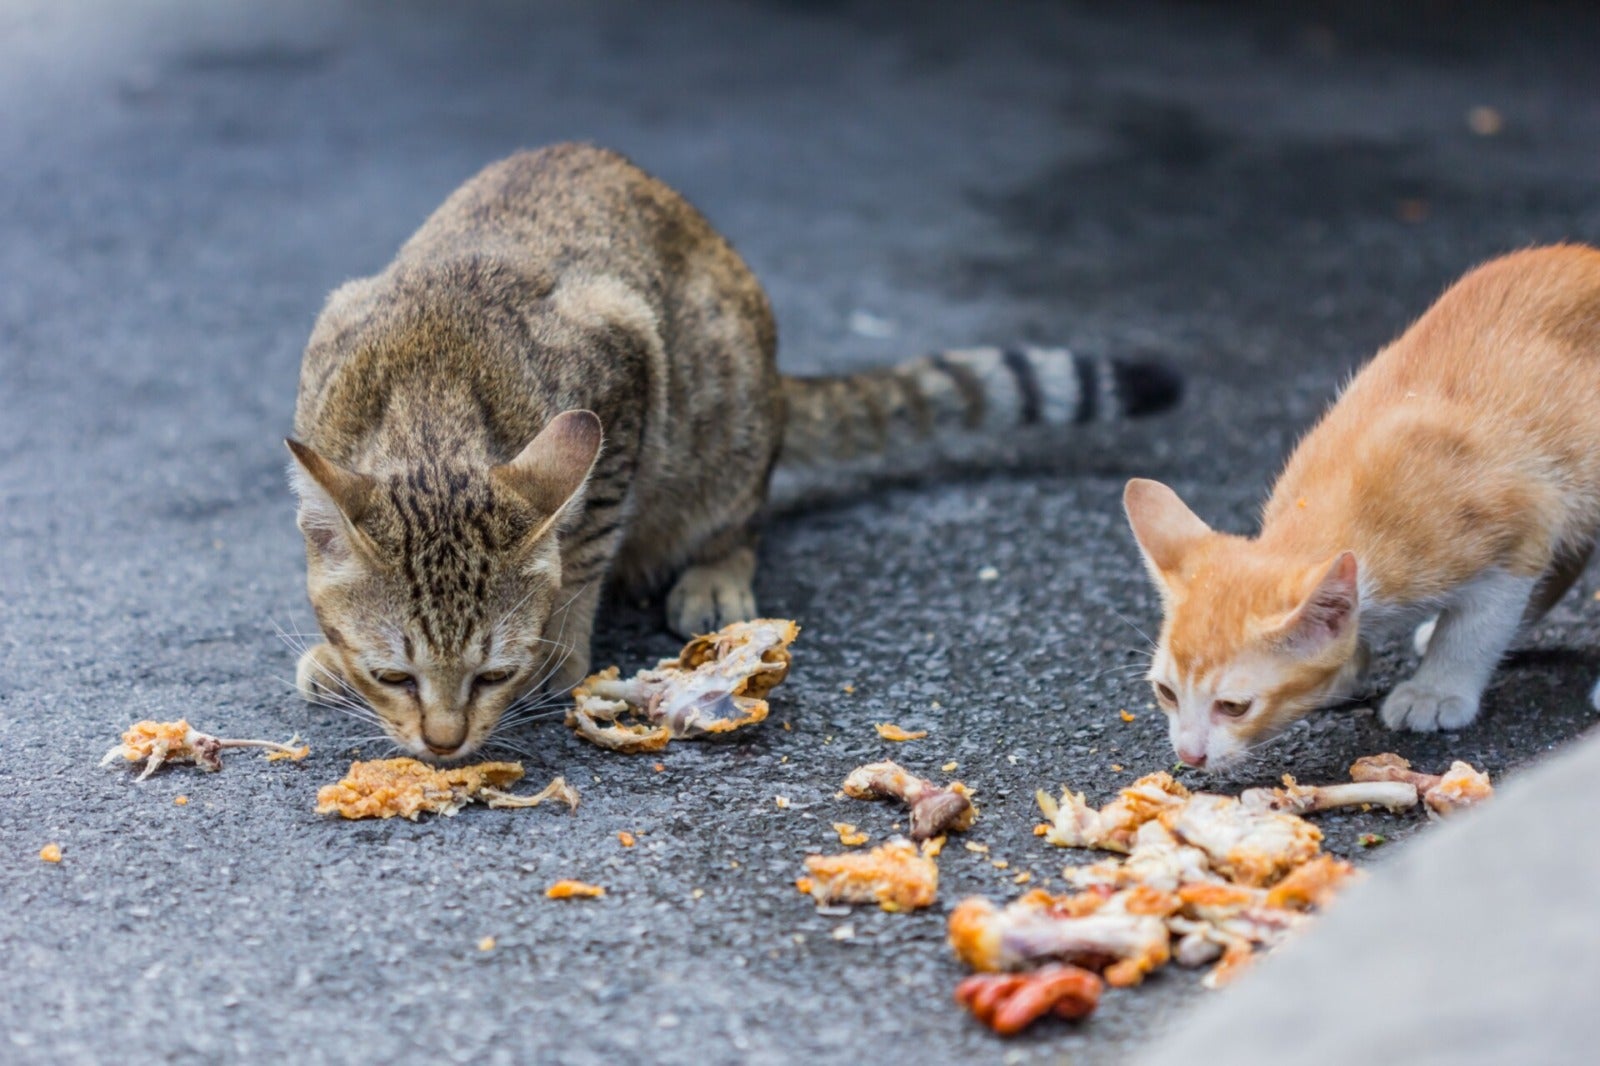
[(1461, 467)]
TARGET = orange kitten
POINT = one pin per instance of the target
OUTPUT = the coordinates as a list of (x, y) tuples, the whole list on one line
[(1457, 477)]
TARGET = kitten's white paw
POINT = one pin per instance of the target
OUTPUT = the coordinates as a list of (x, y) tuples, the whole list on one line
[(318, 677), (706, 598), (1424, 708), (1424, 635)]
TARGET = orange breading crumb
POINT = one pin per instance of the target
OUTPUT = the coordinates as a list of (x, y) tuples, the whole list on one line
[(932, 848), (181, 801), (50, 853), (1041, 829), (574, 890), (1313, 884), (385, 788), (849, 836), (893, 875), (625, 838), (486, 944), (1023, 878), (890, 731), (1126, 715), (292, 754)]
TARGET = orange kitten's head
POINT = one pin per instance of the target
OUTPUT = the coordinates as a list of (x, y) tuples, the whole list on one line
[(1250, 641), (435, 586)]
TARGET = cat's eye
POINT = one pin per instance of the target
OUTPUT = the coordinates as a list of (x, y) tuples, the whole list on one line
[(1165, 694), (493, 677), (1232, 708), (395, 679)]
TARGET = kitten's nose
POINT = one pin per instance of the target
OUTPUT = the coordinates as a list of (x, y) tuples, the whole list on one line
[(1196, 759), (442, 750)]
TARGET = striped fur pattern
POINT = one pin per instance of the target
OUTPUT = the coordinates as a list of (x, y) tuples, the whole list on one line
[(889, 415), (566, 379)]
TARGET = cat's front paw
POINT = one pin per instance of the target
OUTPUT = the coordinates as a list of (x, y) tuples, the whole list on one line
[(1424, 708), (706, 598), (319, 676)]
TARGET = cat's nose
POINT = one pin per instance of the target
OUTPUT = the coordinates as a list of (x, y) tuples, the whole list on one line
[(1194, 758), (444, 751)]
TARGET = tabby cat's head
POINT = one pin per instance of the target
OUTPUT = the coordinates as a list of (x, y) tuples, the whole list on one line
[(435, 586)]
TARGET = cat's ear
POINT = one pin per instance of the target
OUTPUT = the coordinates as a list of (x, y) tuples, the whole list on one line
[(1328, 610), (1163, 525), (333, 501), (551, 471)]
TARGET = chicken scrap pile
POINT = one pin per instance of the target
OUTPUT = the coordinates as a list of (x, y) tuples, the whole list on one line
[(718, 683), (405, 787), (1203, 879)]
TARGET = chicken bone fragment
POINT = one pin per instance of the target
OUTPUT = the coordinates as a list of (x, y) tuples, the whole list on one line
[(934, 810), (718, 683), (1028, 931), (1010, 1003), (1074, 824), (1295, 798), (1460, 786), (159, 743), (893, 875)]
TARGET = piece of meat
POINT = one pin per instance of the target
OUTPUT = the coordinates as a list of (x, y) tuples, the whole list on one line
[(894, 875), (1312, 885), (1252, 847), (718, 683), (159, 743), (386, 788), (1460, 786), (1031, 930), (934, 810), (1296, 798), (1074, 824), (1010, 1003)]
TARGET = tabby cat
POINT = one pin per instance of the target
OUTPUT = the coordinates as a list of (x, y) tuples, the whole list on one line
[(568, 378)]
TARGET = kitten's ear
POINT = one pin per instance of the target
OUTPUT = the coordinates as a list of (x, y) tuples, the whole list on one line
[(1163, 525), (333, 500), (1329, 609), (551, 471)]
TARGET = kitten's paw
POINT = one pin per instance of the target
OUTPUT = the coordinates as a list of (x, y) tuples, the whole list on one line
[(1424, 635), (319, 677), (706, 598), (1423, 708)]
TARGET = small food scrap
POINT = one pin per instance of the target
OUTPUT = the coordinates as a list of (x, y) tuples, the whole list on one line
[(718, 683), (893, 875), (849, 836), (931, 849), (988, 573), (934, 810), (1023, 878), (50, 853), (625, 838), (158, 743), (1091, 929), (890, 731), (1009, 1003), (405, 787), (1306, 799), (1460, 786), (950, 767), (486, 944), (574, 890), (1485, 121), (181, 801), (1371, 840), (782, 802), (848, 688), (1074, 824), (973, 845), (1126, 715)]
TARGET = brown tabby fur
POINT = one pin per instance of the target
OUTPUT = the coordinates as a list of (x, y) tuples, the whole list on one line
[(567, 377)]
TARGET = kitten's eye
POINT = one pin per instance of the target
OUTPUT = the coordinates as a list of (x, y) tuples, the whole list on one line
[(1232, 708), (1164, 695), (493, 677), (395, 679)]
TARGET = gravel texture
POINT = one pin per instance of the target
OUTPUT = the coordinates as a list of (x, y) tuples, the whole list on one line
[(1259, 195)]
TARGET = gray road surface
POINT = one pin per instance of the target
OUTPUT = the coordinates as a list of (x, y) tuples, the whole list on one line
[(1260, 197)]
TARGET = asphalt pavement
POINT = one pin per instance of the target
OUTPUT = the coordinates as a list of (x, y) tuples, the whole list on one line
[(1258, 194)]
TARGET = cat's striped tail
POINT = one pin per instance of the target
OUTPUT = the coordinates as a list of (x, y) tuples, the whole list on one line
[(898, 414)]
